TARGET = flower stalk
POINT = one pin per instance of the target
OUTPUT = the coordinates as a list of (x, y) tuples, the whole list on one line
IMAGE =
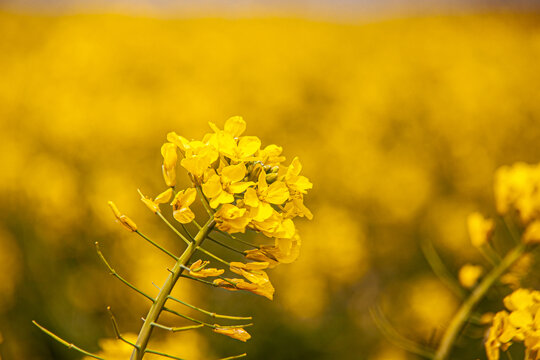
[(159, 303), (464, 312)]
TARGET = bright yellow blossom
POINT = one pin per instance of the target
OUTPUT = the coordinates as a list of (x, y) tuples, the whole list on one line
[(198, 155), (284, 251), (221, 189), (181, 202), (261, 198), (257, 277), (122, 219), (250, 266), (153, 205), (231, 219), (229, 143), (521, 324), (237, 333), (168, 151), (480, 229), (293, 179), (198, 269), (271, 155), (264, 288)]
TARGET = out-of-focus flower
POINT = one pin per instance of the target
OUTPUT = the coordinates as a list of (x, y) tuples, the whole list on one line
[(518, 271), (237, 333), (180, 204), (469, 274), (480, 229), (122, 219), (518, 187), (531, 235)]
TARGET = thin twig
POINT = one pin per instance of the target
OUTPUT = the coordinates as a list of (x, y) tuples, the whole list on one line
[(396, 338), (117, 331), (440, 269), (173, 228), (157, 245), (211, 314), (115, 274), (64, 342)]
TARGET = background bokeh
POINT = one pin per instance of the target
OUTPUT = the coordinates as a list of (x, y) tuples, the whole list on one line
[(399, 123)]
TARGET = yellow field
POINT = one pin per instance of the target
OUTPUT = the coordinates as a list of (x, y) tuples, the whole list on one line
[(399, 125)]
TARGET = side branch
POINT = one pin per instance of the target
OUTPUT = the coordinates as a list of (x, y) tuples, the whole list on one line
[(64, 342), (459, 319)]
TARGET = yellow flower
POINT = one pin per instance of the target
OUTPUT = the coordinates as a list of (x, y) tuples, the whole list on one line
[(229, 143), (295, 207), (257, 277), (168, 151), (293, 179), (250, 266), (153, 205), (237, 333), (235, 284), (221, 189), (264, 289), (521, 299), (198, 270), (122, 219), (181, 202), (271, 155), (198, 155), (518, 186), (231, 219), (469, 274), (261, 198), (532, 233), (480, 229), (284, 251)]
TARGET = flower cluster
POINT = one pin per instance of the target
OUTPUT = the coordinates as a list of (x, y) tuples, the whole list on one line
[(518, 187), (244, 186), (521, 323)]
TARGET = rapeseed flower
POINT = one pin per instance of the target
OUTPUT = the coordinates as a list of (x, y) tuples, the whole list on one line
[(480, 229), (237, 333), (180, 204), (198, 269), (122, 219), (520, 323)]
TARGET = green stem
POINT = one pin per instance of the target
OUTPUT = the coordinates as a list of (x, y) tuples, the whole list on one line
[(211, 314), (156, 245), (64, 342), (460, 318), (173, 228), (205, 202), (159, 303)]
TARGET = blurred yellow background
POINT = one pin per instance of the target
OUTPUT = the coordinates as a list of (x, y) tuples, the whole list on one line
[(399, 124)]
